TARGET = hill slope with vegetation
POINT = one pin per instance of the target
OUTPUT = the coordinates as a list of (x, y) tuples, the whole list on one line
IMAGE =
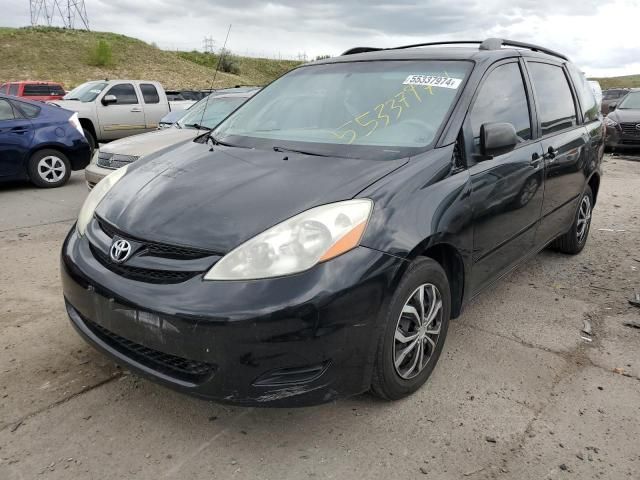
[(630, 81), (75, 56)]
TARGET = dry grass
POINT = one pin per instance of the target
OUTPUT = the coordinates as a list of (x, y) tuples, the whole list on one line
[(64, 56), (629, 81)]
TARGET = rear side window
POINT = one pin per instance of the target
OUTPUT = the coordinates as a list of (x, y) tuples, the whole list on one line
[(3, 88), (502, 98), (149, 93), (6, 111), (13, 89), (56, 90), (555, 102), (125, 93), (29, 111), (585, 94), (34, 90)]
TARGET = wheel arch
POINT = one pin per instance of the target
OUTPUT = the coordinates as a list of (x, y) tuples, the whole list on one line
[(594, 183), (88, 125)]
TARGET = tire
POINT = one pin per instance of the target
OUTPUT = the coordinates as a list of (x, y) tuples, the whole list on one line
[(91, 139), (575, 239), (391, 381), (49, 168)]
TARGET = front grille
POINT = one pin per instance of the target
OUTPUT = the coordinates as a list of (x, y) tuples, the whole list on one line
[(156, 249), (177, 367), (631, 129), (114, 160), (142, 274)]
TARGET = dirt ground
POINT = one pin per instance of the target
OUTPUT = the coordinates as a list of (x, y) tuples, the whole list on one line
[(518, 393)]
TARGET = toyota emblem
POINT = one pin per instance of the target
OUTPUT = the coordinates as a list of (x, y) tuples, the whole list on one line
[(637, 126), (120, 250)]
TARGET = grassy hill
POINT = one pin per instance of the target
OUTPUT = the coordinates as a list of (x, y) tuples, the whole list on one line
[(631, 81), (56, 54)]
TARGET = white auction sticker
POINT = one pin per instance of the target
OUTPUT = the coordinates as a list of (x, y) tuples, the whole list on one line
[(433, 81)]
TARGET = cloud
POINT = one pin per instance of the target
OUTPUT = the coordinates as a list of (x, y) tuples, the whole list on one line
[(289, 27)]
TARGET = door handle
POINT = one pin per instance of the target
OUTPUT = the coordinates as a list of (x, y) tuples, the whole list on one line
[(551, 154), (136, 109), (19, 130)]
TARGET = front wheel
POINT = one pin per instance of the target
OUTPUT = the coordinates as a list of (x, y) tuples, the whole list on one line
[(415, 330), (575, 239)]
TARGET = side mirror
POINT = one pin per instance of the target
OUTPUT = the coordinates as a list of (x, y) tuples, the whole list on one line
[(613, 106), (109, 100), (497, 138)]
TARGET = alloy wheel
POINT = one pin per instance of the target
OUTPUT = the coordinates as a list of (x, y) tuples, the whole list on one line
[(584, 219), (51, 169), (417, 331)]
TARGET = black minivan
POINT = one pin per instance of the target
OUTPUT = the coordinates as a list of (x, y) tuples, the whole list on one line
[(316, 243)]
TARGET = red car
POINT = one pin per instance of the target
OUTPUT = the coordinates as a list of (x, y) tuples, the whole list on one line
[(42, 91)]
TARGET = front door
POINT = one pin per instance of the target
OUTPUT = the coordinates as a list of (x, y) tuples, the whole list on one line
[(123, 118), (507, 189), (564, 142), (15, 139)]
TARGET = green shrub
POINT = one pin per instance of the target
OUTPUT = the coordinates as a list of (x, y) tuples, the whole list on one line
[(228, 62), (101, 55)]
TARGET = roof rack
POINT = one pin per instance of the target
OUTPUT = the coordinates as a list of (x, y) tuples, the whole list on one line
[(488, 44)]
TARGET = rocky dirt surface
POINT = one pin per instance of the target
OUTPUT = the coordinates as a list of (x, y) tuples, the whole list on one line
[(522, 391)]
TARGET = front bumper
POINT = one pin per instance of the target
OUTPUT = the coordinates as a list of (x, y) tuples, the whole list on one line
[(292, 341), (616, 138), (94, 173)]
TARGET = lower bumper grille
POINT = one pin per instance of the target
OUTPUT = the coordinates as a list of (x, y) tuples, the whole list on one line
[(114, 160), (171, 365), (630, 129)]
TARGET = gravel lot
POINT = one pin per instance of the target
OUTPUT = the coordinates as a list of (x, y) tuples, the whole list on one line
[(518, 392)]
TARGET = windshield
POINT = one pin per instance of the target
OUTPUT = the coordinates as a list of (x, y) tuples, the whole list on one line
[(87, 92), (376, 109), (631, 101), (217, 109)]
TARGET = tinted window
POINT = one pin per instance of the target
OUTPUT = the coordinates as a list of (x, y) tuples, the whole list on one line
[(56, 90), (13, 89), (3, 88), (29, 111), (125, 93), (555, 102), (6, 112), (33, 90), (502, 98), (585, 94), (149, 93)]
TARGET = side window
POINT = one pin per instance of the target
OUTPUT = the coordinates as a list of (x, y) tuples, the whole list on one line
[(555, 102), (56, 90), (28, 110), (6, 111), (3, 88), (585, 94), (34, 90), (13, 89), (125, 93), (149, 93), (502, 98)]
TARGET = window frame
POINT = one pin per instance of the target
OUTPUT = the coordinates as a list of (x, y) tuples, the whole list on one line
[(16, 115), (135, 91), (576, 105), (528, 90)]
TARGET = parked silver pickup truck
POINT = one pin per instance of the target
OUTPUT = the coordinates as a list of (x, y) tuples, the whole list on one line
[(112, 109)]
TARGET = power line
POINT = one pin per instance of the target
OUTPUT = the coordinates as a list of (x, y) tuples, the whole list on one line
[(208, 45), (54, 12)]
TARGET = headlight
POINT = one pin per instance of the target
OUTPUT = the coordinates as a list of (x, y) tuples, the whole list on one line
[(73, 120), (610, 123), (297, 244), (95, 197)]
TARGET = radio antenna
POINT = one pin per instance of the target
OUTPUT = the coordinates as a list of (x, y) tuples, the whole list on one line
[(223, 52)]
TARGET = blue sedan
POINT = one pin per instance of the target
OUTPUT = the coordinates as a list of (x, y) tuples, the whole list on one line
[(40, 142)]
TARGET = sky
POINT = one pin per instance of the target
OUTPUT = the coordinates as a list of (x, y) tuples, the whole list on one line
[(600, 36)]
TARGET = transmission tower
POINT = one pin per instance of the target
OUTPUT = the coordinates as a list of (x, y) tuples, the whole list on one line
[(208, 45), (56, 12)]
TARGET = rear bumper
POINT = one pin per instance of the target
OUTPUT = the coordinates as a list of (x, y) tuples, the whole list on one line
[(291, 341)]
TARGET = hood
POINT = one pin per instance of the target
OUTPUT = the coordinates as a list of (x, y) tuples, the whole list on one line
[(216, 200), (147, 143), (622, 115), (75, 105)]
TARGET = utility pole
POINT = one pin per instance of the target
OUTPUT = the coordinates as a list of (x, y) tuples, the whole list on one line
[(46, 12), (208, 45)]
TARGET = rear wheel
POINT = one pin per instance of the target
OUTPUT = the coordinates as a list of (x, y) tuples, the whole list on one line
[(415, 331), (49, 169), (575, 239)]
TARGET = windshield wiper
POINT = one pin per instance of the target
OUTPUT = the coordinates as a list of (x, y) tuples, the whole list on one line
[(72, 98), (276, 148), (198, 126), (224, 144)]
